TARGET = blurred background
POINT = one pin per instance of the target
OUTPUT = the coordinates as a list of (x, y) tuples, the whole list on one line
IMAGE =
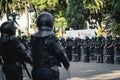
[(100, 15)]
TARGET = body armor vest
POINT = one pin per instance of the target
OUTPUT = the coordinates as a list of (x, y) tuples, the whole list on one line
[(98, 43), (42, 54), (9, 52)]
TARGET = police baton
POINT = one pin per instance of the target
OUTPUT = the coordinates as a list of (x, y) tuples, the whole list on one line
[(24, 65), (69, 73), (1, 63), (2, 74)]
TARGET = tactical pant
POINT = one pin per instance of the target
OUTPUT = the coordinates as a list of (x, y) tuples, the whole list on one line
[(76, 55), (86, 58), (69, 53), (12, 72), (92, 57), (117, 60), (109, 56), (99, 54), (99, 58), (45, 73), (109, 59), (69, 57), (117, 56), (86, 55)]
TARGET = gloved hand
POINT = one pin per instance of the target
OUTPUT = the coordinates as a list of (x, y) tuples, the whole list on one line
[(67, 65), (1, 61), (29, 60)]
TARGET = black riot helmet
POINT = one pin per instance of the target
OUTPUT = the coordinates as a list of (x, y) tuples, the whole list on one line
[(45, 19), (109, 37), (86, 38), (100, 37), (8, 27)]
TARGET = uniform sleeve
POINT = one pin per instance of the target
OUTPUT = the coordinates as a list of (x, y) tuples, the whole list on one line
[(60, 53), (22, 53), (1, 55), (0, 50)]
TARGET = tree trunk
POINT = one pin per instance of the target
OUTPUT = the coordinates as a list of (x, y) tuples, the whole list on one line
[(27, 19)]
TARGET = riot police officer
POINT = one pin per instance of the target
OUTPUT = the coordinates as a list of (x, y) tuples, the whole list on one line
[(109, 51), (69, 48), (13, 52), (62, 40), (86, 49), (98, 49), (117, 50), (92, 48), (47, 53), (77, 49)]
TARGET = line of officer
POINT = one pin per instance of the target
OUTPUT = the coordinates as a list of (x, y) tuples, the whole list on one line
[(99, 49)]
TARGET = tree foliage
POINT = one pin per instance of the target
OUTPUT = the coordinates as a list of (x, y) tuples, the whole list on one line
[(116, 16), (116, 12), (93, 4), (93, 9), (117, 29), (75, 14), (111, 18), (44, 5), (69, 13), (56, 7), (8, 6)]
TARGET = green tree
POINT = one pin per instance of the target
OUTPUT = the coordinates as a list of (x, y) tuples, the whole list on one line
[(75, 14), (5, 7), (93, 5), (44, 5), (107, 20), (116, 16), (116, 12), (93, 10), (8, 6), (117, 30), (56, 7)]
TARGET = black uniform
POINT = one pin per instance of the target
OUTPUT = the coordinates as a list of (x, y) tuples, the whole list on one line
[(92, 48), (117, 50), (86, 49), (13, 52), (62, 40), (109, 51), (68, 48), (77, 49), (99, 50), (47, 53)]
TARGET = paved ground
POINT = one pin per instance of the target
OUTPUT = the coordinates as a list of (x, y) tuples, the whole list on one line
[(91, 71), (86, 71)]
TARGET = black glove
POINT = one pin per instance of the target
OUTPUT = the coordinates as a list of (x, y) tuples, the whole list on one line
[(66, 65), (1, 61), (29, 60)]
